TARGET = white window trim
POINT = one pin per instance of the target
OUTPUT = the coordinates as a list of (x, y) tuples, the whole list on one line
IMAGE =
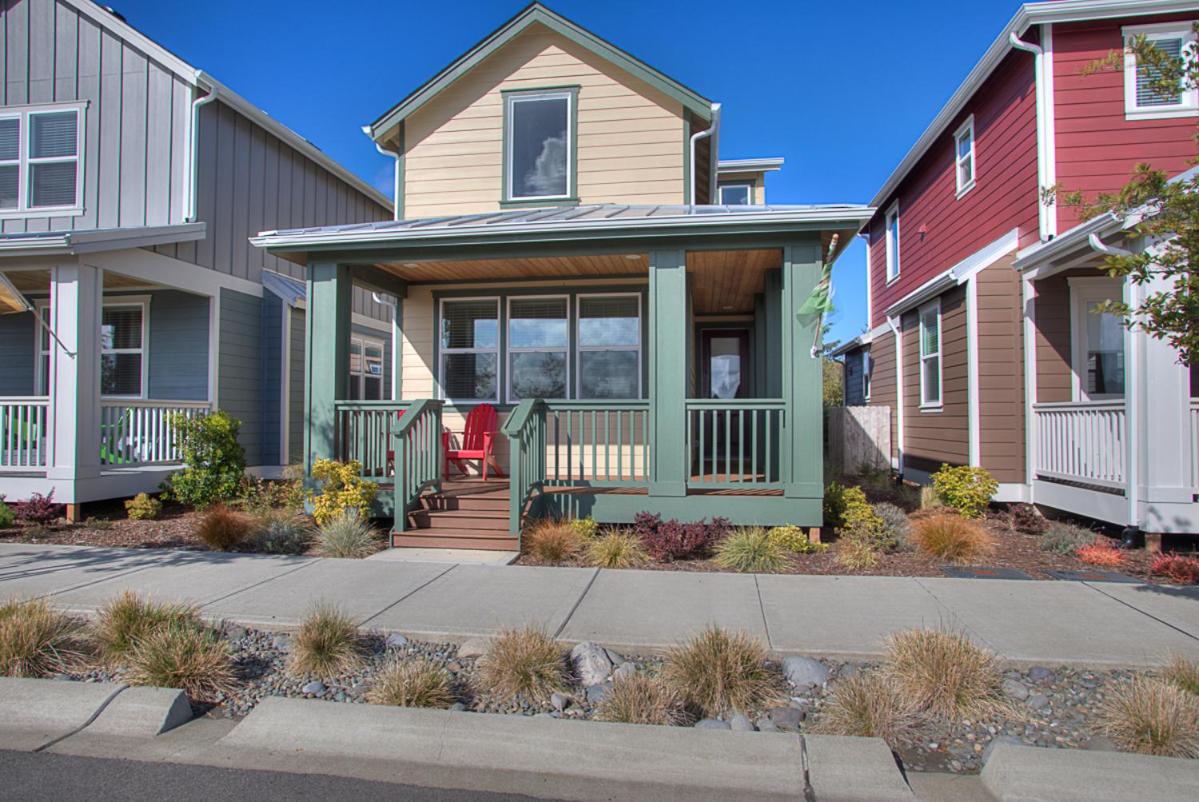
[(927, 405), (1189, 101), (360, 378), (564, 349), (749, 190), (23, 160), (965, 128), (1083, 290), (891, 255), (536, 94), (442, 351), (580, 348), (143, 301)]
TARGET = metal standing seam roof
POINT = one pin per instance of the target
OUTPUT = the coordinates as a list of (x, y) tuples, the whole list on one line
[(563, 219)]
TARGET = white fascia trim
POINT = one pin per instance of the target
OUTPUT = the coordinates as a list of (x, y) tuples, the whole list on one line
[(749, 165), (163, 271), (70, 243), (958, 274), (974, 428), (1013, 492), (1028, 15), (1039, 255)]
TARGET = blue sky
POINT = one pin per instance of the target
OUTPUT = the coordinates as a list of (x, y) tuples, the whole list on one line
[(840, 90)]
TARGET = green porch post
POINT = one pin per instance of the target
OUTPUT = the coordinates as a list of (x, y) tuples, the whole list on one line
[(802, 446), (327, 335), (668, 372)]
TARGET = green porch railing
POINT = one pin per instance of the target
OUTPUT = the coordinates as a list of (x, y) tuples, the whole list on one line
[(364, 433), (735, 443), (525, 429), (597, 443), (418, 456)]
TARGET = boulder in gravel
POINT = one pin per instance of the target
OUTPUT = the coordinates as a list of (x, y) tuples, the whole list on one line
[(558, 701), (282, 643), (315, 688), (1040, 674), (396, 641), (1038, 701), (712, 724), (596, 693), (785, 718), (474, 647), (626, 670), (741, 723), (804, 672), (1015, 689), (591, 662)]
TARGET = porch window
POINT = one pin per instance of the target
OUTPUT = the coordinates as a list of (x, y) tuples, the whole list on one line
[(366, 369), (40, 162), (609, 337), (538, 343), (964, 156), (1098, 339), (892, 242), (930, 355), (736, 194), (539, 145), (123, 359), (1143, 99), (470, 349)]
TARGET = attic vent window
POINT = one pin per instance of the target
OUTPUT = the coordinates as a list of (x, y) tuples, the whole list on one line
[(539, 145)]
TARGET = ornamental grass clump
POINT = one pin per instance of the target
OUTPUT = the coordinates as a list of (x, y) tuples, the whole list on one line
[(641, 699), (524, 663), (750, 549), (718, 672), (616, 549), (944, 675), (281, 532), (327, 643), (347, 535), (184, 655), (857, 555), (223, 529), (1153, 717), (37, 641), (952, 538), (871, 705), (1183, 673), (553, 541), (413, 683), (127, 619)]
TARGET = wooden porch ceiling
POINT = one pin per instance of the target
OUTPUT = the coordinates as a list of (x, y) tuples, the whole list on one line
[(38, 281), (725, 282)]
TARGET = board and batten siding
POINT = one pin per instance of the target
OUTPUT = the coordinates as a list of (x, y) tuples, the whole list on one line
[(135, 122), (630, 136), (1000, 392), (935, 437)]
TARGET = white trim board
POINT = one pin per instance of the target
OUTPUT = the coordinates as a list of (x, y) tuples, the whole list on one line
[(957, 275)]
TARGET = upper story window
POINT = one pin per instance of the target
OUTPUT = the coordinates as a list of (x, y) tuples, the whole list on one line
[(539, 158), (736, 194), (892, 242), (1143, 99), (40, 159), (930, 355), (366, 369), (963, 142)]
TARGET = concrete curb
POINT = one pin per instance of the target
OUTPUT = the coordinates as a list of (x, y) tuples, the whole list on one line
[(35, 712), (1072, 775), (550, 757)]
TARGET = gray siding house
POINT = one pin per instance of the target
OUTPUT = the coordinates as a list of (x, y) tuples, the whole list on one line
[(130, 183)]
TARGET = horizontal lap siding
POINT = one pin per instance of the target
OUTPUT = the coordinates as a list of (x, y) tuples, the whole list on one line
[(882, 383), (1052, 313), (270, 384), (295, 401), (931, 438), (1001, 372), (134, 125), (178, 346), (854, 391), (1097, 148), (18, 339), (1003, 198), (630, 136), (239, 385)]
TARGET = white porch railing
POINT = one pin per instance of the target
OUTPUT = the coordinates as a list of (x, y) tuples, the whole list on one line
[(141, 432), (1195, 444), (23, 433), (1084, 442)]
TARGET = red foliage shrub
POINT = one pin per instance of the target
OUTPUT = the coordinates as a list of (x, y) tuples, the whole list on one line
[(1100, 553), (1026, 519), (672, 540), (38, 509), (1176, 568)]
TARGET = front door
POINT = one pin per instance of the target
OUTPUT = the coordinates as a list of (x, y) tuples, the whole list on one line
[(725, 365)]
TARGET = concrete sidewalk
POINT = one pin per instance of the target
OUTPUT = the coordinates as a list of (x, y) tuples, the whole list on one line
[(1023, 621)]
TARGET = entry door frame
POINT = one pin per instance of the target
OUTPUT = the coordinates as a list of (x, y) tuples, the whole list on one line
[(742, 332)]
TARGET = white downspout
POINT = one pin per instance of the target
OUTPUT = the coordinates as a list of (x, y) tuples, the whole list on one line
[(894, 324), (194, 149), (395, 189), (695, 138), (1046, 166)]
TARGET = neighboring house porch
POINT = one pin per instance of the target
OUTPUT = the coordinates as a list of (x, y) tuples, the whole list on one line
[(643, 359)]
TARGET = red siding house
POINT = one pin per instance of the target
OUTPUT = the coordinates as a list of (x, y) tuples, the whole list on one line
[(982, 333)]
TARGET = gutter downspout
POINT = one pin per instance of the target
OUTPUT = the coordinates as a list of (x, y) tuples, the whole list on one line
[(894, 324), (1046, 169), (194, 146), (395, 190), (1099, 246), (711, 131)]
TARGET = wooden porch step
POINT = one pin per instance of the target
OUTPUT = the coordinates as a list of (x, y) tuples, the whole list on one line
[(454, 539), (441, 502), (460, 519)]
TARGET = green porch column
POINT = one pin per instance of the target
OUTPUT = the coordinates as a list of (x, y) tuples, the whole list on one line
[(327, 335), (802, 447), (668, 372)]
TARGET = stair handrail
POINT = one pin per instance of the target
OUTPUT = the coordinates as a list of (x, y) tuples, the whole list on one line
[(418, 457), (525, 430)]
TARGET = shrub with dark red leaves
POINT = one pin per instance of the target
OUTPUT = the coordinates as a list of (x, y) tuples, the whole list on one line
[(672, 540), (38, 509), (1176, 568), (1027, 519)]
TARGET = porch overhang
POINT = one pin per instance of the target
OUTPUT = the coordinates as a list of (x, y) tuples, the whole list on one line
[(75, 243)]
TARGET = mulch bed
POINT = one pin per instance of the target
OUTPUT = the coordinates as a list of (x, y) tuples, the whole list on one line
[(107, 526)]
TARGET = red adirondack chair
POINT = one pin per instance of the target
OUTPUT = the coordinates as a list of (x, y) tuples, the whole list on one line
[(477, 441)]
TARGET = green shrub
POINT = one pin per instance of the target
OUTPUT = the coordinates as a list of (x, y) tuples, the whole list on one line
[(834, 506), (183, 655), (126, 620), (586, 528), (262, 497), (862, 524), (223, 529), (7, 516), (342, 490), (215, 460), (347, 535), (896, 528), (795, 540), (143, 507), (1064, 538), (616, 549), (281, 533), (966, 489), (750, 549)]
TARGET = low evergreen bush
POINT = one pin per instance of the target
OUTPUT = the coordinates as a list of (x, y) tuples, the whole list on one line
[(216, 461), (966, 489), (342, 490), (143, 507)]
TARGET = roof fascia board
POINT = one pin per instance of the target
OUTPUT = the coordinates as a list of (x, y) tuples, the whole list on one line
[(957, 275), (534, 14), (139, 40), (1028, 15), (98, 241), (750, 165)]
